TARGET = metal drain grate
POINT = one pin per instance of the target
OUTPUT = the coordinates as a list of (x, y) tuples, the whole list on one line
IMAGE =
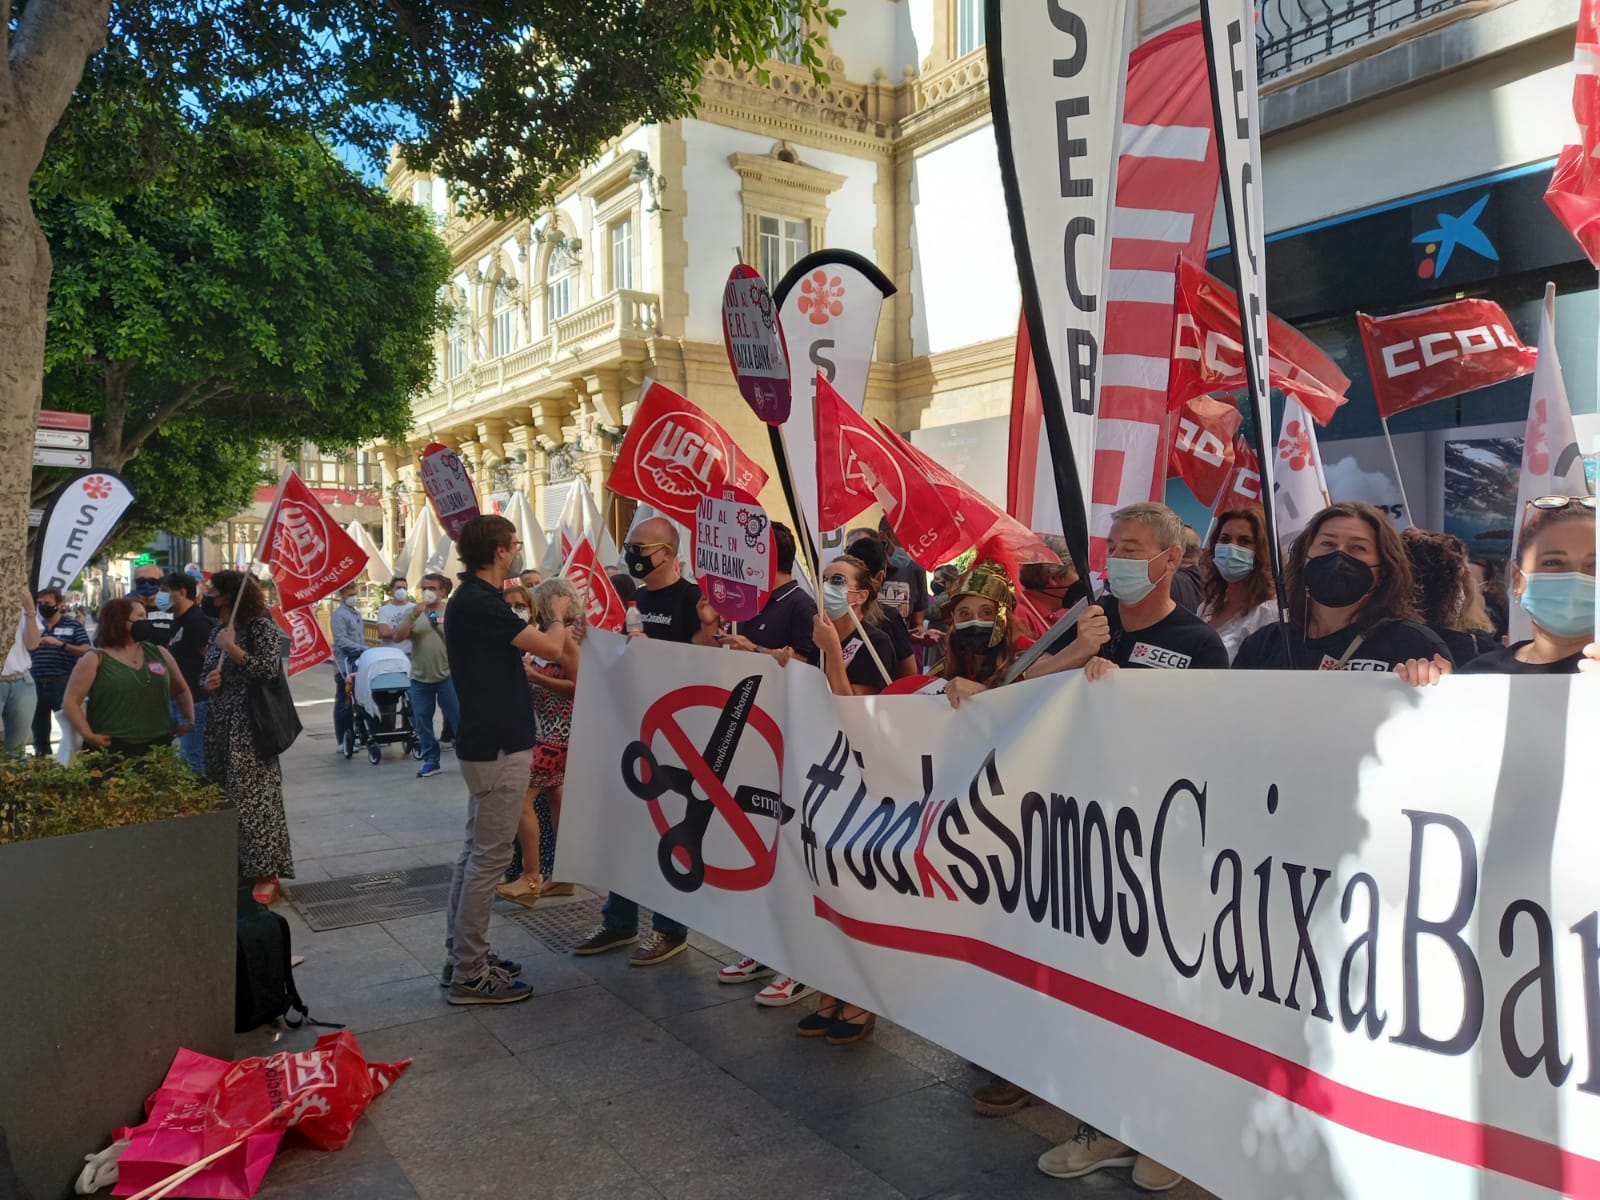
[(561, 926), (364, 899)]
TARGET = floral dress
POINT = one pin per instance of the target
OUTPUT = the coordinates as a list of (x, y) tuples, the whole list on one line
[(553, 719), (253, 784)]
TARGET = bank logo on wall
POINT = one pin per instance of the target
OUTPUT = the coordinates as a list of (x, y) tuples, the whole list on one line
[(1462, 240)]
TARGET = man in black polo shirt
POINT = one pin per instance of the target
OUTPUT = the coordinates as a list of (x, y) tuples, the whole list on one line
[(669, 606), (784, 623), (485, 642)]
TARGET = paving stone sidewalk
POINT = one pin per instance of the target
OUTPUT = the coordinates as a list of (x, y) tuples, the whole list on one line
[(614, 1082)]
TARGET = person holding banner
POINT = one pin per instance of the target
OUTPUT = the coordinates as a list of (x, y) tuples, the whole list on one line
[(850, 631), (1236, 577), (1446, 595), (870, 553), (246, 647), (983, 632), (1553, 580), (421, 627), (121, 696), (1349, 586)]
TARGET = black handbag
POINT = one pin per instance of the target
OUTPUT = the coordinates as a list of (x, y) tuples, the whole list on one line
[(274, 724)]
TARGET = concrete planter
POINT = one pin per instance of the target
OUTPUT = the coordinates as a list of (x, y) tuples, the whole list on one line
[(118, 948)]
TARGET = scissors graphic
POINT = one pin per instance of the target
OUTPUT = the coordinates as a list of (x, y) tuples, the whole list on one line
[(649, 779)]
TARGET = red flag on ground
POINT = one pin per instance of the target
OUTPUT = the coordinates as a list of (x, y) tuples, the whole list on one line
[(1202, 454), (1574, 191), (1207, 356), (602, 605), (309, 554), (1434, 353), (308, 646), (674, 454), (858, 467)]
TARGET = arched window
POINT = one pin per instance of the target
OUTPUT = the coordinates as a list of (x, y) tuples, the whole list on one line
[(455, 358), (505, 315), (558, 284)]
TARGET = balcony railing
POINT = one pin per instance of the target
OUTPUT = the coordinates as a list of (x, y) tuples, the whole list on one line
[(1293, 33)]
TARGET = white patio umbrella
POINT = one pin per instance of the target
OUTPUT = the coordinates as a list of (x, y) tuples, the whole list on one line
[(377, 570), (520, 513), (422, 540)]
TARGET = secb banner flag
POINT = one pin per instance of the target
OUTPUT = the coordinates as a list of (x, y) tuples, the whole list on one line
[(76, 525), (1380, 975)]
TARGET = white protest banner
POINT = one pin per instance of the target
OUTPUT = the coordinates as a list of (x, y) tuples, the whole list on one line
[(735, 553), (1056, 75), (1347, 948), (444, 478), (76, 525), (754, 342), (828, 305)]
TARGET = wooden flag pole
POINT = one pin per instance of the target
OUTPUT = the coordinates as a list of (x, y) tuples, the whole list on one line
[(1394, 461)]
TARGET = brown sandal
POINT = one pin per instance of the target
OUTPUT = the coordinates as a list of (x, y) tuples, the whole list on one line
[(558, 889), (524, 891)]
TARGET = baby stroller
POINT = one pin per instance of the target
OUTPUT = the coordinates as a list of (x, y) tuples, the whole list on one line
[(379, 706)]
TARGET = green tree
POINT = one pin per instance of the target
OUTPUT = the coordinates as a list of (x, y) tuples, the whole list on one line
[(253, 292), (505, 97)]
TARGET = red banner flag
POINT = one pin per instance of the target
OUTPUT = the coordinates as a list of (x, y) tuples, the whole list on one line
[(310, 556), (1202, 453), (1244, 481), (1207, 357), (602, 606), (1434, 353), (674, 454), (1574, 191), (308, 646), (858, 467)]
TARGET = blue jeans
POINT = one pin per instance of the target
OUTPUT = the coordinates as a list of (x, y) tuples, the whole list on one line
[(17, 702), (621, 913), (424, 697), (192, 745)]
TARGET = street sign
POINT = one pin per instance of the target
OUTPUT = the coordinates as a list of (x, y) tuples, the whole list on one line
[(61, 439), (45, 456), (63, 420), (35, 517)]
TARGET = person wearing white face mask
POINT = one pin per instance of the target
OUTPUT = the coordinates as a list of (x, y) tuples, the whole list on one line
[(393, 612), (1236, 577), (1553, 580), (1148, 628), (431, 687)]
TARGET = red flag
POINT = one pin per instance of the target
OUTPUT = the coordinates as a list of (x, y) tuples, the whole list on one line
[(308, 647), (1574, 191), (1207, 357), (1244, 481), (602, 605), (1202, 453), (310, 556), (674, 454), (1437, 352), (1030, 485), (858, 467)]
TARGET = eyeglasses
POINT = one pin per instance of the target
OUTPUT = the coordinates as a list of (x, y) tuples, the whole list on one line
[(1549, 503)]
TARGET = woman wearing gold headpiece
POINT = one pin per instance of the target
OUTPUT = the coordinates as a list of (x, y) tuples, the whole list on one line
[(983, 632)]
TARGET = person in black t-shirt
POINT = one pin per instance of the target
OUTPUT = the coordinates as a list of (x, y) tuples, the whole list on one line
[(850, 608), (669, 606), (904, 586), (901, 659), (1349, 587), (485, 642), (783, 626), (1553, 581), (186, 642)]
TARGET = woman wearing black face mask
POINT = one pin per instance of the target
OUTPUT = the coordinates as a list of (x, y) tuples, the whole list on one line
[(983, 632), (119, 698), (1349, 586)]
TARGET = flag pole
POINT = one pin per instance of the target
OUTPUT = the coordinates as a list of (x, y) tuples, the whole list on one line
[(266, 530), (1394, 461), (871, 649)]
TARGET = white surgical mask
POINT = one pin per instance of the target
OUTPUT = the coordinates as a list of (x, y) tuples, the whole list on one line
[(399, 593), (520, 611), (350, 601), (1130, 578), (429, 595)]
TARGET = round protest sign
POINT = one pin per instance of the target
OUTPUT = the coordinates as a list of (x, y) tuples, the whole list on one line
[(444, 478), (756, 349), (734, 552)]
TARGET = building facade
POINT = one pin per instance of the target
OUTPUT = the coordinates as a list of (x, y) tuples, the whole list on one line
[(1375, 115)]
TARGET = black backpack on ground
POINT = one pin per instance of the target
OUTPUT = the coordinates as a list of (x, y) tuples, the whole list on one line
[(264, 984)]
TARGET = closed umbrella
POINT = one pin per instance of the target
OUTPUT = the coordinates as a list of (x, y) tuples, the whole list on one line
[(520, 513), (421, 542), (377, 567)]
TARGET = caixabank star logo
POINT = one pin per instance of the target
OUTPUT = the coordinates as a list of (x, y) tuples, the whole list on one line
[(1461, 240)]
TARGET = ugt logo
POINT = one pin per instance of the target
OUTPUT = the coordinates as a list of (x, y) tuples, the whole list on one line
[(1450, 233), (698, 782)]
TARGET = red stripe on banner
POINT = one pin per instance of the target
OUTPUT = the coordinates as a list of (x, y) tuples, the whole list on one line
[(1133, 404), (1470, 1143), (1107, 476)]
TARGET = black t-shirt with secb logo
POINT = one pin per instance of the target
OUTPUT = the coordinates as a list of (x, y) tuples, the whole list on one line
[(1385, 646), (1179, 641)]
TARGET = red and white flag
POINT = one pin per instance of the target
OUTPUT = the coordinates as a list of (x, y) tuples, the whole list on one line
[(602, 606), (1300, 490), (1203, 435), (674, 454), (858, 467), (1244, 481), (1434, 353), (308, 646), (1574, 190), (308, 553)]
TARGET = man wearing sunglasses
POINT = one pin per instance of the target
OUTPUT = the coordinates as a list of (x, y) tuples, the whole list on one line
[(669, 606)]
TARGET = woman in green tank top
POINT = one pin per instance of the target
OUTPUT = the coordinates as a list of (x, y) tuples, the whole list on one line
[(121, 697)]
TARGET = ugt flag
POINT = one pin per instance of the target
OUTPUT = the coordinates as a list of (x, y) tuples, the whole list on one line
[(602, 606), (309, 554), (307, 644)]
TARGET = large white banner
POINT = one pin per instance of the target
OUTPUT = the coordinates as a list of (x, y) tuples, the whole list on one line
[(1056, 74), (1348, 947), (76, 525)]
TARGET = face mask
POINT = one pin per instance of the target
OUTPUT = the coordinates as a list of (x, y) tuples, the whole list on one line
[(146, 587), (639, 564), (972, 637), (399, 593), (1337, 580), (1560, 602), (1233, 562), (835, 600), (899, 558), (349, 601), (429, 595), (1130, 578), (521, 612), (163, 600), (142, 631), (48, 610)]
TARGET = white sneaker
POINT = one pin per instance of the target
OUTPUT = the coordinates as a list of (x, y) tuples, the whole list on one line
[(783, 991), (746, 970)]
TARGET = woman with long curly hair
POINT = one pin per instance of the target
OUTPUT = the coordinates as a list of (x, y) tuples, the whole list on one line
[(1236, 577), (1447, 596)]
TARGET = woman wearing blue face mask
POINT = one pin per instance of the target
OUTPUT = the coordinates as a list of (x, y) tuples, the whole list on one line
[(1553, 581), (850, 612), (1236, 577)]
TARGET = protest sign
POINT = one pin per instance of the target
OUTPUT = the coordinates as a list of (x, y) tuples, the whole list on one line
[(444, 478), (1434, 353), (735, 553), (754, 340)]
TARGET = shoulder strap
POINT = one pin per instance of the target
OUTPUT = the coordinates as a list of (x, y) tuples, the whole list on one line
[(292, 993), (1360, 638)]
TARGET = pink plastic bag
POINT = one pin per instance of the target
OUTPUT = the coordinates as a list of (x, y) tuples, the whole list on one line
[(173, 1136)]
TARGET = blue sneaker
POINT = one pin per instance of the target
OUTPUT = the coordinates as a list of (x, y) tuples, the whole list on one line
[(428, 771)]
